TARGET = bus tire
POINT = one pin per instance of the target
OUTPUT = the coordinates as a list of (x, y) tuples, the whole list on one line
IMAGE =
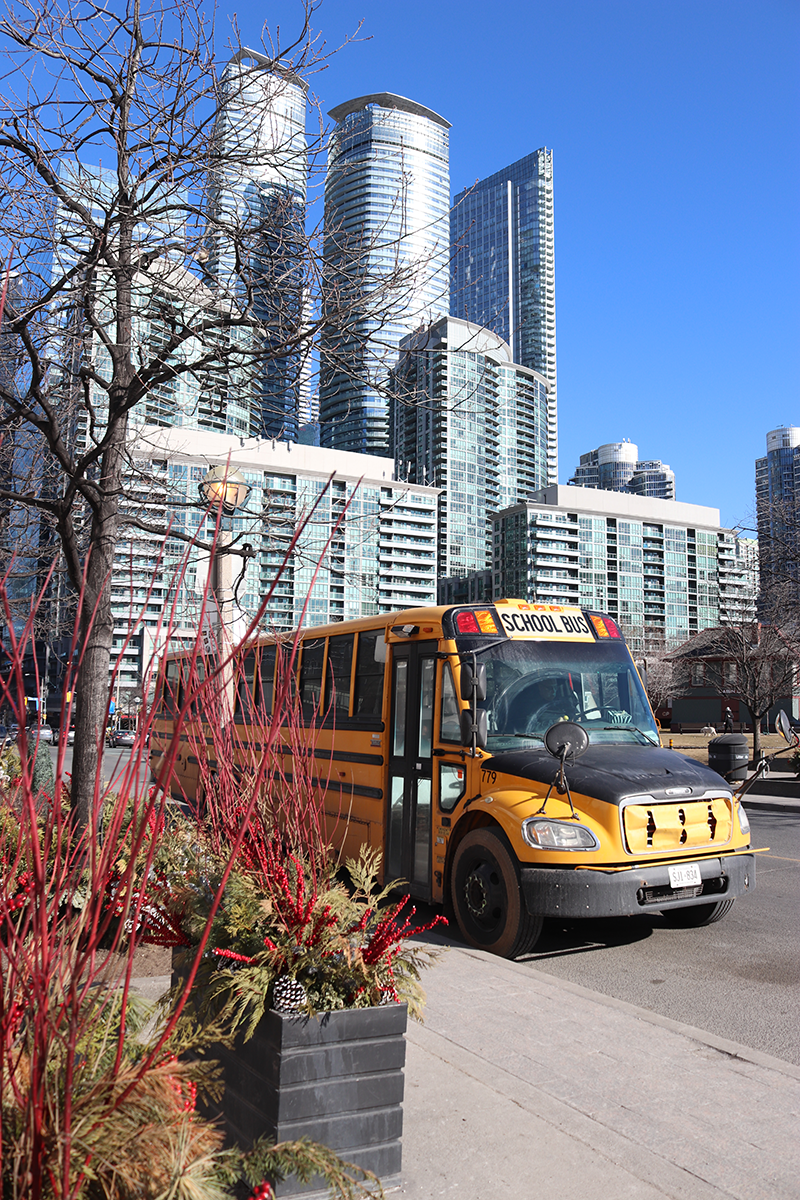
[(487, 899), (698, 915)]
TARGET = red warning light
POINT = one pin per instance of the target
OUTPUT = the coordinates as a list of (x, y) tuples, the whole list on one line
[(467, 622)]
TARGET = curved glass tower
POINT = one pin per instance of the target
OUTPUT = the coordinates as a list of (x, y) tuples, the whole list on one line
[(255, 236), (386, 250)]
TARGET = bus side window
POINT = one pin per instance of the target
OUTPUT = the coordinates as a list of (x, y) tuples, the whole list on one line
[(370, 667), (313, 656), (452, 781), (193, 677), (337, 676), (450, 717), (266, 675), (171, 694), (245, 670), (286, 677)]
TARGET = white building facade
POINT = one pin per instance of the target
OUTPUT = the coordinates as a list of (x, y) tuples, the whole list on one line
[(329, 536)]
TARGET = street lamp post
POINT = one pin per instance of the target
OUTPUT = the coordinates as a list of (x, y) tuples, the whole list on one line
[(226, 489), (222, 487)]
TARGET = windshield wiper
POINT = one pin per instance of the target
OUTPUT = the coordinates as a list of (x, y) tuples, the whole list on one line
[(631, 729), (532, 737)]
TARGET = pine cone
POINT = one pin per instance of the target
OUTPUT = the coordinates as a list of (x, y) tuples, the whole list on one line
[(288, 995)]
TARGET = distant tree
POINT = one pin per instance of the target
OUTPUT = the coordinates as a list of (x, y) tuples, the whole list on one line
[(657, 670), (753, 662)]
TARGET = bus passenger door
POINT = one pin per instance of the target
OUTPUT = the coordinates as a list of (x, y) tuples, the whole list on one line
[(408, 854)]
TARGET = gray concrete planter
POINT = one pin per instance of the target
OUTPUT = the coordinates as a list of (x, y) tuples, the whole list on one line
[(336, 1078)]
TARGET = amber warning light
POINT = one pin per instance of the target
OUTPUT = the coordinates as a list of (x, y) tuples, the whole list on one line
[(479, 621)]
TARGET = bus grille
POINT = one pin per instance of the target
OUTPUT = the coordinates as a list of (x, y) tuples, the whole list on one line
[(664, 828)]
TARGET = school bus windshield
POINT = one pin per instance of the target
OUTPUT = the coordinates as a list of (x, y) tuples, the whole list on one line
[(530, 685)]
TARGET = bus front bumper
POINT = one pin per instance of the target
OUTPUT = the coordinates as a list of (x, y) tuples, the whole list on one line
[(553, 892)]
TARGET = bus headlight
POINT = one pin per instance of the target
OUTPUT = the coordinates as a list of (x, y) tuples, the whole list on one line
[(744, 824), (558, 835)]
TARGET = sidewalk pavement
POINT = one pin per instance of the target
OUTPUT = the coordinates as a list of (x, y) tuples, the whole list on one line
[(520, 1086)]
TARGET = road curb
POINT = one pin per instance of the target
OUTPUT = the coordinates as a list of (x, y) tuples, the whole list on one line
[(771, 803), (724, 1045)]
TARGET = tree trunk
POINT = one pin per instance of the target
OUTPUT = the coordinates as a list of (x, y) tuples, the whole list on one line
[(756, 739), (96, 637)]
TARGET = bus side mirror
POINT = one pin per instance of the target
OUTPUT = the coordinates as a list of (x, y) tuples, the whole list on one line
[(479, 727), (784, 727), (468, 677)]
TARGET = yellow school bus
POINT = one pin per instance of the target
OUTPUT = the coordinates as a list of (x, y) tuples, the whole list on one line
[(505, 760)]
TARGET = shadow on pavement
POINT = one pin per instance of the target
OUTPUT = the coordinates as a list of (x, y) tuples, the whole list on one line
[(558, 939)]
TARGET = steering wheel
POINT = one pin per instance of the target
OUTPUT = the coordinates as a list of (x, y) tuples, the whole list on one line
[(551, 712)]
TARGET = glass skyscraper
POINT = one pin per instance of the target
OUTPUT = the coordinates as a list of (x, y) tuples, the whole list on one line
[(256, 228), (778, 512), (503, 272), (469, 421), (386, 250)]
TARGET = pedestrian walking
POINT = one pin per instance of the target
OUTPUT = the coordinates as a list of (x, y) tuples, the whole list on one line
[(728, 721)]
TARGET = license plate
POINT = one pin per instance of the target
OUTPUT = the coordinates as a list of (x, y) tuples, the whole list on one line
[(686, 875)]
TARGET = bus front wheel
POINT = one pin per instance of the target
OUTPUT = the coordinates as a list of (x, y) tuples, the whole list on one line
[(487, 898)]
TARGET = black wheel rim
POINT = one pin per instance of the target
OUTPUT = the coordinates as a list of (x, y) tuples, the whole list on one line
[(483, 893)]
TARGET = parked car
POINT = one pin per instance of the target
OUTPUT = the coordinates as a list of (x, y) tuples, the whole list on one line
[(40, 733), (122, 737)]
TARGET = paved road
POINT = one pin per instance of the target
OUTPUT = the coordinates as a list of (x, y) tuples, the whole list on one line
[(115, 762)]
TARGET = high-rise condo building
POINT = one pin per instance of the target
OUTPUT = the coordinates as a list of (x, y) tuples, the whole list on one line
[(386, 251), (255, 230), (467, 420), (778, 511), (616, 467), (663, 569), (503, 272)]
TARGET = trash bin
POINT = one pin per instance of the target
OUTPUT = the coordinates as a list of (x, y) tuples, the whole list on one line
[(729, 755)]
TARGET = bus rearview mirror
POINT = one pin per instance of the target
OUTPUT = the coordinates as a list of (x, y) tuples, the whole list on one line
[(479, 727), (470, 678), (784, 727)]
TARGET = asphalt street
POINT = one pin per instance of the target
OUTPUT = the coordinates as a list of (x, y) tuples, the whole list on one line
[(115, 762)]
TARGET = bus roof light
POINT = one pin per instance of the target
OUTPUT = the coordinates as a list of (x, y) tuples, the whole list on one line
[(479, 620), (467, 622), (605, 627)]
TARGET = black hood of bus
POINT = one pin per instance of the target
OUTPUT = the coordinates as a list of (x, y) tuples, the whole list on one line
[(613, 772)]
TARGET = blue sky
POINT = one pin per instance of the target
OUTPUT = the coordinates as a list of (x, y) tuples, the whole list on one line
[(674, 127)]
